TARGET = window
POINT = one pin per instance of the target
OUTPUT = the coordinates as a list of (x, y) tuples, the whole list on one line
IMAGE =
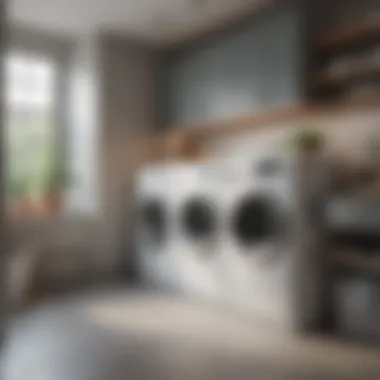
[(30, 130)]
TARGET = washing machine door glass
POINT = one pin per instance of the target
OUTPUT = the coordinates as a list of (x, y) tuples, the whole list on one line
[(154, 220), (254, 220), (198, 218)]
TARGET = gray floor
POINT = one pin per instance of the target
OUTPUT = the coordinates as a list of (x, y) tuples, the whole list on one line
[(119, 335)]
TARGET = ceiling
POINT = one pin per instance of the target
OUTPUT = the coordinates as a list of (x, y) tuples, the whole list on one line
[(157, 21)]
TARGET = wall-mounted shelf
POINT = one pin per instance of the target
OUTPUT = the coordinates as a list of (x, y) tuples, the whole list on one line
[(348, 36), (356, 261), (345, 61), (270, 118), (350, 77)]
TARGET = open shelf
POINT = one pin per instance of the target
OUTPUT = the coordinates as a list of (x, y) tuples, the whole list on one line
[(348, 36), (353, 45), (353, 76), (356, 261)]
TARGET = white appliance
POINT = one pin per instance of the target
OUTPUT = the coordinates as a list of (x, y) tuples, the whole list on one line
[(195, 231), (227, 232), (257, 203), (154, 230), (177, 229)]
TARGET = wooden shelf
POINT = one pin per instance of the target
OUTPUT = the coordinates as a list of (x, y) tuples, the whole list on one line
[(356, 261), (348, 36), (293, 115), (154, 147), (353, 76)]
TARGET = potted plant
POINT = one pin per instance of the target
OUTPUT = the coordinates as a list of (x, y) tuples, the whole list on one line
[(309, 141), (55, 182), (19, 195), (311, 165)]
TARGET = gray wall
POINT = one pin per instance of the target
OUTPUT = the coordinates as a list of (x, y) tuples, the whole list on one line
[(3, 227), (259, 65), (127, 80), (127, 107)]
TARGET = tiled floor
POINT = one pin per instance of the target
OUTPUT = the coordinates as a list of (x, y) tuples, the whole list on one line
[(117, 335)]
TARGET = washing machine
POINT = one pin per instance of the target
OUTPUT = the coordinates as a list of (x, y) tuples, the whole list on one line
[(153, 228), (177, 229), (195, 231), (257, 202)]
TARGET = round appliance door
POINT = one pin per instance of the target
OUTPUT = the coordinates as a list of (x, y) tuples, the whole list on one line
[(154, 221), (254, 220), (199, 218)]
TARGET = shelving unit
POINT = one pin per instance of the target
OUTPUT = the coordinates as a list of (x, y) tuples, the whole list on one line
[(345, 37), (355, 48), (352, 76), (369, 266)]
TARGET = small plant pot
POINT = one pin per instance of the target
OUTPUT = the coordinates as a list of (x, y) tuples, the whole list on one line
[(309, 142), (20, 207), (53, 203)]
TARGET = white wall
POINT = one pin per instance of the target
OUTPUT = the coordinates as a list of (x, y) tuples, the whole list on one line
[(84, 128)]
